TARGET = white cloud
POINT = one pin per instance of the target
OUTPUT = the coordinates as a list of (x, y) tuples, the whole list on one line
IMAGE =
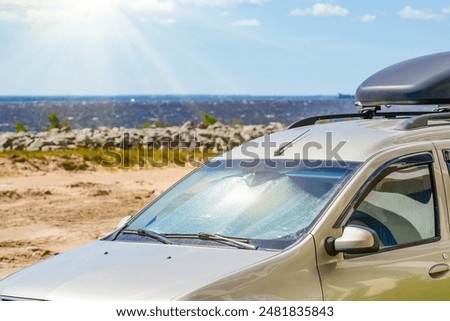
[(321, 10), (42, 16), (9, 16), (246, 23), (221, 3), (446, 10), (19, 10), (28, 3), (418, 14), (31, 15), (167, 21), (368, 18), (40, 12), (50, 11), (153, 5)]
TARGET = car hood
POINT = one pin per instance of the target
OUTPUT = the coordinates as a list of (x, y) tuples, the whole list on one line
[(105, 270)]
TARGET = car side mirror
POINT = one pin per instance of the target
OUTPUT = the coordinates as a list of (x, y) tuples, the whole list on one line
[(123, 221), (354, 240)]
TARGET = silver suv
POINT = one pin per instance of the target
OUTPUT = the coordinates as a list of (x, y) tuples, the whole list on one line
[(336, 207)]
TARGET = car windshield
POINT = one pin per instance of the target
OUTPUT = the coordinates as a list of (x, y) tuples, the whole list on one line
[(267, 202)]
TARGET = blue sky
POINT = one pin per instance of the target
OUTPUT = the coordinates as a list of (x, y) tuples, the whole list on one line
[(257, 47)]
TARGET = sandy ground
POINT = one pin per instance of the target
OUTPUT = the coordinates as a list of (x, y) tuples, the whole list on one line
[(45, 210)]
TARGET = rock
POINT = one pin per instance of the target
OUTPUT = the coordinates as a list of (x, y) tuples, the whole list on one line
[(35, 146), (185, 136), (6, 140), (32, 249), (186, 127)]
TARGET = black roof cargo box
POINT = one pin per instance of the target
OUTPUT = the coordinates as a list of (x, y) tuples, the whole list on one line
[(419, 81)]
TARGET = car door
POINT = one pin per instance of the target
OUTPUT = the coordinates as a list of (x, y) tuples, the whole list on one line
[(402, 204)]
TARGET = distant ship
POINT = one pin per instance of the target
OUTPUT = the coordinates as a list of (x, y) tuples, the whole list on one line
[(345, 96)]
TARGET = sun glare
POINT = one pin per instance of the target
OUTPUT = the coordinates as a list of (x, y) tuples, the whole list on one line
[(93, 47), (88, 11), (80, 47)]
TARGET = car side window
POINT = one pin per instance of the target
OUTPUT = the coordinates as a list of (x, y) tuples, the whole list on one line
[(400, 207)]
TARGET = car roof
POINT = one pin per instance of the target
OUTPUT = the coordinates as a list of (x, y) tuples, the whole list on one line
[(354, 140)]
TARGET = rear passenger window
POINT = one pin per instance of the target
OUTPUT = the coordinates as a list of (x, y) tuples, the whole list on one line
[(400, 207)]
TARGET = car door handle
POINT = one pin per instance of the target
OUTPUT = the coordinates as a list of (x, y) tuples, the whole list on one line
[(438, 270)]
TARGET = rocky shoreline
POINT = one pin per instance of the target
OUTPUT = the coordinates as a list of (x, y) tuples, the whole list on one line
[(216, 137)]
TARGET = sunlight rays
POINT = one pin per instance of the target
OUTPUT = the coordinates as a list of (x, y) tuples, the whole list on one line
[(80, 44), (116, 47)]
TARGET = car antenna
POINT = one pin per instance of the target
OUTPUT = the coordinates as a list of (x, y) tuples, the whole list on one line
[(285, 146)]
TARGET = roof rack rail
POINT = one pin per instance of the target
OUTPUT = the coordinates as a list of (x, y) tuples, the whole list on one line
[(363, 115), (422, 120)]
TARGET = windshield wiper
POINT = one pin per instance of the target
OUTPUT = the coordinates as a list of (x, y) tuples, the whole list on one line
[(156, 236), (215, 237), (202, 236)]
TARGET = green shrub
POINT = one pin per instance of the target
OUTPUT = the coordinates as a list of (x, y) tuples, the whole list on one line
[(54, 120), (20, 127), (209, 119)]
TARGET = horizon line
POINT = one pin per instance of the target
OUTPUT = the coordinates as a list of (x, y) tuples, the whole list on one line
[(174, 95)]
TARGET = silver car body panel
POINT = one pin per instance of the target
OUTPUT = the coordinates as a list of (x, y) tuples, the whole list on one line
[(105, 270)]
